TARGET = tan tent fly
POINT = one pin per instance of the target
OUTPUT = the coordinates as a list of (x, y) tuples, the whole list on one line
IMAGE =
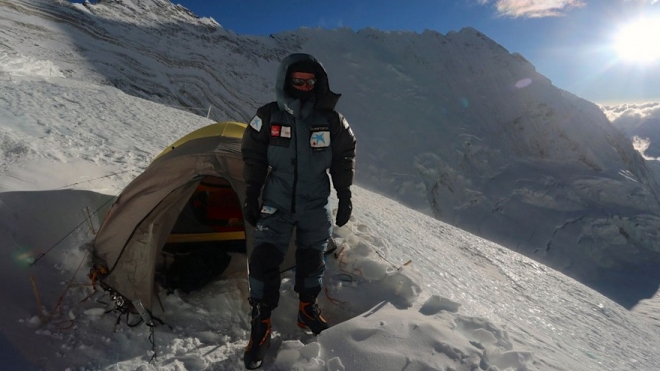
[(192, 192)]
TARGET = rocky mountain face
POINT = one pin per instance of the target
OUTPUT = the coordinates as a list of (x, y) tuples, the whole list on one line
[(452, 125)]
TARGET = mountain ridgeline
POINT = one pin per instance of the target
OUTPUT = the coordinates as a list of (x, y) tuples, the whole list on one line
[(452, 125)]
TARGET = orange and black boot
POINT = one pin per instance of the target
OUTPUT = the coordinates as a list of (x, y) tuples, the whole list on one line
[(309, 317), (259, 336)]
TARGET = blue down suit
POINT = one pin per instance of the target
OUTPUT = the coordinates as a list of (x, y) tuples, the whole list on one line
[(290, 150)]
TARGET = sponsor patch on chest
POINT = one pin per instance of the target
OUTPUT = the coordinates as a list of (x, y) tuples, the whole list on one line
[(320, 139), (280, 131)]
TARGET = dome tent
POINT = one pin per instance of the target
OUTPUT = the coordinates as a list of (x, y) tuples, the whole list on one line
[(203, 172)]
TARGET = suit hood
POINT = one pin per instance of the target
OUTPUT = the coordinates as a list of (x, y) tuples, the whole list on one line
[(324, 97)]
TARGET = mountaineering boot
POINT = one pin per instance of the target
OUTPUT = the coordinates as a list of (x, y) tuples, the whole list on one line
[(309, 317), (259, 336)]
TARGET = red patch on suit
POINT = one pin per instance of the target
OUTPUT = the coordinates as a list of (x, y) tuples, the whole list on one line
[(275, 130)]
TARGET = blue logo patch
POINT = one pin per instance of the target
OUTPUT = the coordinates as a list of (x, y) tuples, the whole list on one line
[(320, 139), (256, 123)]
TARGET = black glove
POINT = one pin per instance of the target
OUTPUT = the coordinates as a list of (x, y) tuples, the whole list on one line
[(251, 208), (345, 206)]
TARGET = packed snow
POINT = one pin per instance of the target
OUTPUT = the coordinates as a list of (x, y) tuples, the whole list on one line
[(403, 291)]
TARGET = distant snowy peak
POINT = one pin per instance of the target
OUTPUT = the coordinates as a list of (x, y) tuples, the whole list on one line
[(469, 35), (141, 11)]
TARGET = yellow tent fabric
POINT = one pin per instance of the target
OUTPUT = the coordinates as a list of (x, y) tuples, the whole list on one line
[(229, 129)]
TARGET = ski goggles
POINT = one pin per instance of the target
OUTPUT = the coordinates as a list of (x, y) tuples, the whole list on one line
[(302, 82)]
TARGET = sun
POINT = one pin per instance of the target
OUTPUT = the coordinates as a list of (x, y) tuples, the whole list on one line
[(639, 41)]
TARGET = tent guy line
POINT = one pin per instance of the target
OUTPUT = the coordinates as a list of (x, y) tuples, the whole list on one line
[(87, 219)]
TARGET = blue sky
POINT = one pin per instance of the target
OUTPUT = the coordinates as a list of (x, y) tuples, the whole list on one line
[(572, 42)]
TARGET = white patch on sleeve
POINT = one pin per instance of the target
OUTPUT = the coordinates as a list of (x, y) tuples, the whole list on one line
[(256, 123), (268, 210), (320, 139)]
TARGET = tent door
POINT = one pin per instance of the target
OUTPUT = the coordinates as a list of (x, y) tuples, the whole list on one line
[(213, 213)]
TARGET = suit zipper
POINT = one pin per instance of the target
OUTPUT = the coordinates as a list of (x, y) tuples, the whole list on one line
[(295, 174)]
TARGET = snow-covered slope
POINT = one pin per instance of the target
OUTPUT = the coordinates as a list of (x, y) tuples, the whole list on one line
[(453, 125), (402, 292)]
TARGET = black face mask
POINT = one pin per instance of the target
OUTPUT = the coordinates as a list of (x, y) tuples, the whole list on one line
[(300, 94)]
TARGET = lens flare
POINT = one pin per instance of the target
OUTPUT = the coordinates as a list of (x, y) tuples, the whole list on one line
[(523, 83), (23, 257), (464, 102)]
